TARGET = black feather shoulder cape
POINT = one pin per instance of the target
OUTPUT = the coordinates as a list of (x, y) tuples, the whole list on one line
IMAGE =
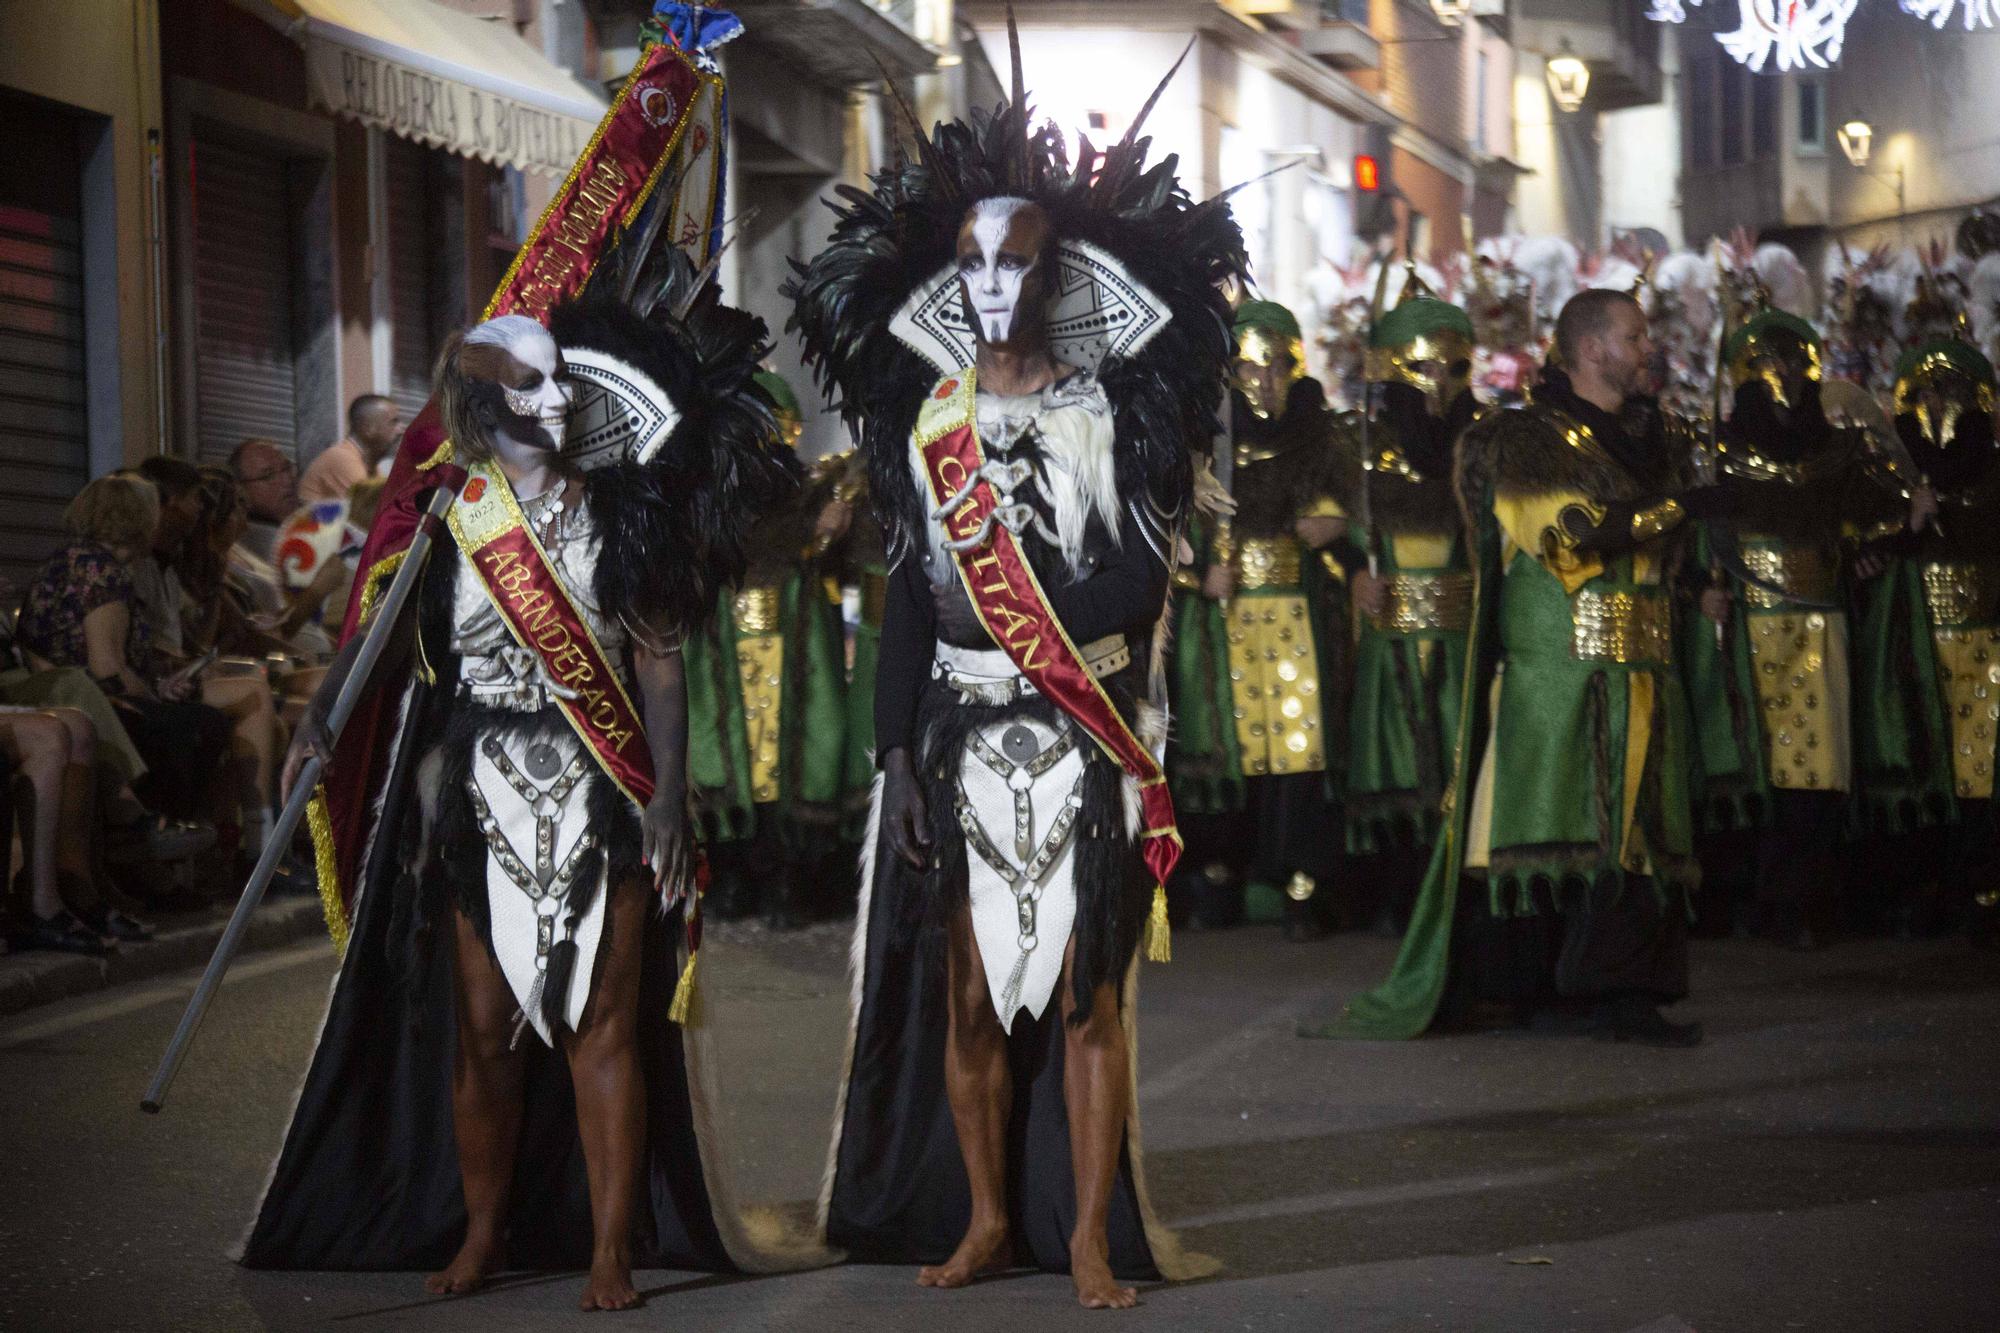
[(889, 241), (674, 527)]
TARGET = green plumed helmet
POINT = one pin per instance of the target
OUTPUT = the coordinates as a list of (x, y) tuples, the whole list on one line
[(1941, 353), (779, 391), (1418, 316), (1764, 323), (1267, 315)]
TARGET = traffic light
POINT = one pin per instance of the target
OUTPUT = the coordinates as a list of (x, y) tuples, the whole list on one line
[(1374, 185)]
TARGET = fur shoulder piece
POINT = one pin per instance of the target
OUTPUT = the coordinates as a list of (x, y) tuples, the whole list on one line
[(900, 235), (673, 526), (1401, 497), (1537, 449)]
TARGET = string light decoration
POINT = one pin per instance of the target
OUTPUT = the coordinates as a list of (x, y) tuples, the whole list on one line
[(1798, 33), (1937, 13)]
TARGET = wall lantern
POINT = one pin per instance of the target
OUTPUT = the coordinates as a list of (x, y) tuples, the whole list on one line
[(1450, 13), (1856, 137), (1569, 79)]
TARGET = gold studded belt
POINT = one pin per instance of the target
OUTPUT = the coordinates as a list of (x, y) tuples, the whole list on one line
[(757, 609), (874, 597), (1629, 625), (1268, 562), (1427, 602), (1806, 572), (1961, 594)]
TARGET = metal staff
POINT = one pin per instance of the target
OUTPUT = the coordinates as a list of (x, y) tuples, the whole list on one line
[(1367, 515), (372, 646)]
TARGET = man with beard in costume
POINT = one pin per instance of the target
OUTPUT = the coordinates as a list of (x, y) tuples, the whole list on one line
[(1559, 885), (1773, 692), (1260, 637), (1030, 350), (1416, 603), (513, 948), (767, 693), (1942, 589)]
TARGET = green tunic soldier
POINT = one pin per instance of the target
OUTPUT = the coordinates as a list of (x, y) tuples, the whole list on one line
[(767, 712), (1260, 646), (1416, 596), (1947, 699), (1567, 818), (1773, 693)]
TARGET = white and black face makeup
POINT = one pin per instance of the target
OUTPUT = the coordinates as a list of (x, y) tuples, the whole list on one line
[(1001, 248), (519, 358)]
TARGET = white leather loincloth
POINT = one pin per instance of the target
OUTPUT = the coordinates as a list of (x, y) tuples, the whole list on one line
[(1019, 800), (537, 829)]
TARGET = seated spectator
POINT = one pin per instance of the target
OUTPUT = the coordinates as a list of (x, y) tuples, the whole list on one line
[(259, 612), (374, 428), (134, 833), (201, 516), (53, 751), (269, 482), (81, 610)]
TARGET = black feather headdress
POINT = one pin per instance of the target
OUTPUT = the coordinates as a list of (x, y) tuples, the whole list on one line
[(890, 242), (700, 455)]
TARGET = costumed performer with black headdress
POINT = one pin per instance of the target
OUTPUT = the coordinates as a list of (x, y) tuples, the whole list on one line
[(503, 1078), (1030, 349)]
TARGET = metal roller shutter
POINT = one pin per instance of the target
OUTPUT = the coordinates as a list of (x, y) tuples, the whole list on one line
[(44, 439), (244, 346), (411, 181)]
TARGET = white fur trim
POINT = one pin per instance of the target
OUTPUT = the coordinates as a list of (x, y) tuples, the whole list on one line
[(857, 975)]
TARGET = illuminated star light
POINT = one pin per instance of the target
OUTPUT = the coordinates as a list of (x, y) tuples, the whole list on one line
[(1978, 13), (1801, 32)]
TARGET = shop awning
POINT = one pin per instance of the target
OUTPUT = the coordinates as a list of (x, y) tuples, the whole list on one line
[(429, 73)]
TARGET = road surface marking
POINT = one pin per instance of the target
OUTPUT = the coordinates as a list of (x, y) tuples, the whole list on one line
[(158, 993)]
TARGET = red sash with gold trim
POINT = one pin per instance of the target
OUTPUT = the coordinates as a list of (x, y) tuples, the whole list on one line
[(1016, 612), (529, 595)]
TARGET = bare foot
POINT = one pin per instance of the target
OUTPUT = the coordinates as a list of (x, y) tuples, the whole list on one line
[(981, 1251), (1096, 1289), (610, 1284), (476, 1260)]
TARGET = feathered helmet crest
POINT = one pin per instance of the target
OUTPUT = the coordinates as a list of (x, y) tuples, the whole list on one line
[(1137, 299)]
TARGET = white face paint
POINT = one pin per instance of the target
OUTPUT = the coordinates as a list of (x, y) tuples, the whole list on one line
[(993, 283), (544, 399)]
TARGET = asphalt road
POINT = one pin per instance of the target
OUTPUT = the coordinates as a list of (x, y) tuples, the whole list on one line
[(1828, 1161)]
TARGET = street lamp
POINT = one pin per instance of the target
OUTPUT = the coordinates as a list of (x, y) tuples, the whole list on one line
[(1451, 13), (1856, 137), (1569, 79), (1857, 140)]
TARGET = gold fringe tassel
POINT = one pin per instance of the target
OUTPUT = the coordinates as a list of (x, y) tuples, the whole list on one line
[(1159, 935), (682, 1009), (327, 867)]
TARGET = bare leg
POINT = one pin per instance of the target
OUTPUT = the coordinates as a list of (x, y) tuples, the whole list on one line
[(485, 1111), (611, 1100), (258, 739), (76, 840), (1096, 1083), (39, 747), (981, 1089)]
